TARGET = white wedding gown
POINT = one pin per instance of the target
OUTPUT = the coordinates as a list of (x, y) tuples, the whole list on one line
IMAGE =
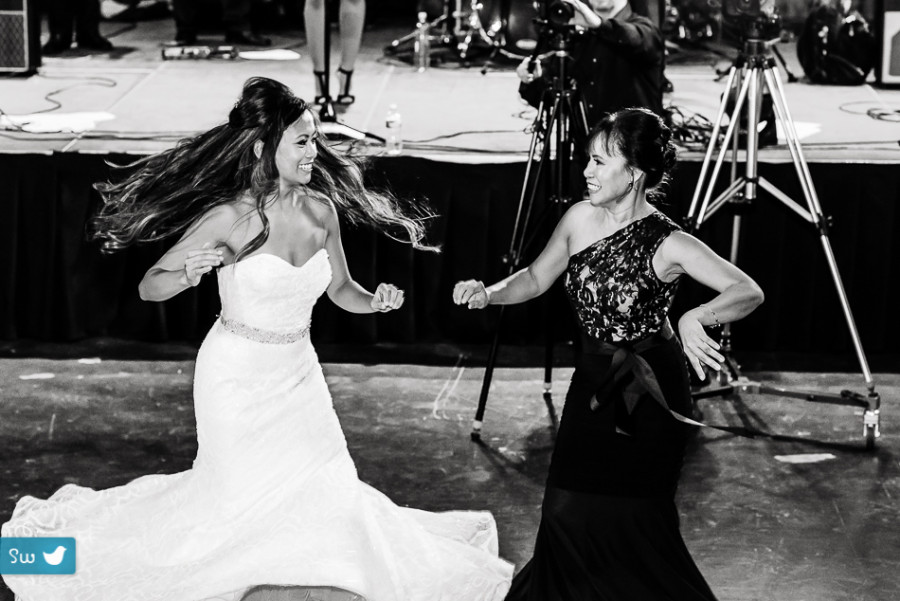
[(273, 497)]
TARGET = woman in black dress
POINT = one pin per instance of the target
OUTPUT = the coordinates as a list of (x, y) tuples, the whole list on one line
[(609, 526)]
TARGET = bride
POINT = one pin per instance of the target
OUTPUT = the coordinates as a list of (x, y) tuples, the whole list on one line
[(272, 507)]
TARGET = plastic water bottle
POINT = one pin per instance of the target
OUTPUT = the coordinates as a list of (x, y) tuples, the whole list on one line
[(394, 124), (422, 45)]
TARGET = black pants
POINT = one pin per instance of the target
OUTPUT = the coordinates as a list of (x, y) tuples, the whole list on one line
[(235, 15), (81, 15)]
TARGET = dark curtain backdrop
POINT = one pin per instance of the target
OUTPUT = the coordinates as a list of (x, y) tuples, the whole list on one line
[(56, 286)]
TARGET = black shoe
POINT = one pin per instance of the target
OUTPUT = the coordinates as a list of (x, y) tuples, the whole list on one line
[(344, 96), (246, 39), (185, 39), (320, 87), (56, 45), (94, 42)]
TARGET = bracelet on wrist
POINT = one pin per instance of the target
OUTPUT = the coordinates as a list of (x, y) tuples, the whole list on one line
[(714, 316)]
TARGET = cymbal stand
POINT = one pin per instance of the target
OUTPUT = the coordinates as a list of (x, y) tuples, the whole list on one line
[(443, 38)]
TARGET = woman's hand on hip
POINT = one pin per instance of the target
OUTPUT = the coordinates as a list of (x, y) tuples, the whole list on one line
[(699, 348)]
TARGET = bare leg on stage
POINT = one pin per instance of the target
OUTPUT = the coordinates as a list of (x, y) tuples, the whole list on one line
[(352, 17)]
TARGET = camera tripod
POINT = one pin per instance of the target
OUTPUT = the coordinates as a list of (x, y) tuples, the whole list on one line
[(753, 69), (561, 109)]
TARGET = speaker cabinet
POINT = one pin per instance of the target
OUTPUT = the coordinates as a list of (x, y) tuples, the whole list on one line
[(20, 37), (887, 69)]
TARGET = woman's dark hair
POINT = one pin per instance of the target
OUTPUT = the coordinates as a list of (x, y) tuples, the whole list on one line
[(643, 139), (168, 191)]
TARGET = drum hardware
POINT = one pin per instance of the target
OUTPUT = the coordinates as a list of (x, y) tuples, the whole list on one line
[(466, 28), (440, 35)]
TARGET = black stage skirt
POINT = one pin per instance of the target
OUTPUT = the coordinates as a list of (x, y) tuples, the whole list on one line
[(609, 527)]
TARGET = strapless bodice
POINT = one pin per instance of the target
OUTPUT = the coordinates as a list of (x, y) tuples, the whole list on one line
[(266, 292)]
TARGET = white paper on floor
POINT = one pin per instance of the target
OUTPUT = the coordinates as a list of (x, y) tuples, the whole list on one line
[(39, 376), (46, 123), (276, 54), (804, 129), (804, 458)]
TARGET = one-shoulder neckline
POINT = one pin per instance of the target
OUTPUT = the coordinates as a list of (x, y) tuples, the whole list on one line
[(281, 259), (612, 235)]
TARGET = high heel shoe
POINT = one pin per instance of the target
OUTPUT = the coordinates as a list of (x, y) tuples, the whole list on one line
[(322, 92), (345, 97)]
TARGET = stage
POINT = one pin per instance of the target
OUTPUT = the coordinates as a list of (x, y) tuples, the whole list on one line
[(472, 117), (465, 146)]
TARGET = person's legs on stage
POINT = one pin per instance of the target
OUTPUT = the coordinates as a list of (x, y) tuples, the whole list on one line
[(352, 17), (352, 20), (59, 22), (87, 26), (314, 23), (236, 18), (186, 16)]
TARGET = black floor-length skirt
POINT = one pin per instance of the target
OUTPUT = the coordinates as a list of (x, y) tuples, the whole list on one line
[(609, 527)]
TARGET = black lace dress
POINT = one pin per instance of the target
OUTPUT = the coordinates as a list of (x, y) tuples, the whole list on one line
[(609, 526)]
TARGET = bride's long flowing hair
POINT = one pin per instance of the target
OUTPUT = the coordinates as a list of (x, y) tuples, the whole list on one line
[(167, 192)]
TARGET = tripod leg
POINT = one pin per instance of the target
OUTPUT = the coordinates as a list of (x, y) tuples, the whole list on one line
[(713, 140), (754, 102), (488, 376), (790, 75), (517, 245), (732, 125), (538, 127), (793, 141), (815, 209)]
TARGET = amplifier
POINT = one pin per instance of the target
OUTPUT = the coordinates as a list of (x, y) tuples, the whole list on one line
[(887, 69), (20, 36)]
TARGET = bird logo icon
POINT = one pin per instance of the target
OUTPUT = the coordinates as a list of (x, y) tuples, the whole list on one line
[(55, 558)]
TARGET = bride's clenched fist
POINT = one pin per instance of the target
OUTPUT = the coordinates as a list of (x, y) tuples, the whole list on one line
[(471, 293), (387, 297), (200, 262)]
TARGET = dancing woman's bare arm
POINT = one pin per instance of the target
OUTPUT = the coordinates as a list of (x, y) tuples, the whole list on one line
[(527, 283), (198, 252), (344, 291), (681, 253)]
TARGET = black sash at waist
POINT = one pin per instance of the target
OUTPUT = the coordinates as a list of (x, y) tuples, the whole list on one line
[(627, 359)]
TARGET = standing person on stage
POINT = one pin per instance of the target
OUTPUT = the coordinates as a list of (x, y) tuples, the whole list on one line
[(351, 20), (84, 15), (273, 499), (235, 18), (609, 526), (618, 60)]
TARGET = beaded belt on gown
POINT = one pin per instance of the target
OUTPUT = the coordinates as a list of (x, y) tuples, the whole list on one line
[(265, 336)]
